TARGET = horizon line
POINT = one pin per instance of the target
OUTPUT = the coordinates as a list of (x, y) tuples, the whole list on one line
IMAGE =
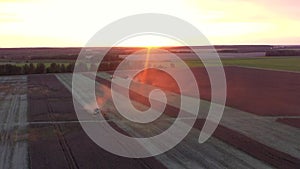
[(52, 47)]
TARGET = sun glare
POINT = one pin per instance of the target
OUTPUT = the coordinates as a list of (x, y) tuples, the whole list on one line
[(149, 41)]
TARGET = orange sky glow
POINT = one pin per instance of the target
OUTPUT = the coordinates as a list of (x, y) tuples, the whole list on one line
[(71, 23)]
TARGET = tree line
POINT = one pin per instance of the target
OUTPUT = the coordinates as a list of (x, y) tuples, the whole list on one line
[(283, 53), (40, 68)]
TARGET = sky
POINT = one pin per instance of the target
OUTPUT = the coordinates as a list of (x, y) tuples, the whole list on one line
[(71, 23)]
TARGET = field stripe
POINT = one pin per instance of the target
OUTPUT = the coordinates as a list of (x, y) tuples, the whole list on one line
[(265, 153)]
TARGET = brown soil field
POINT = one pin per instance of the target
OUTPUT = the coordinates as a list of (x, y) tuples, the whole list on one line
[(48, 97), (89, 155), (44, 148), (294, 122), (262, 92)]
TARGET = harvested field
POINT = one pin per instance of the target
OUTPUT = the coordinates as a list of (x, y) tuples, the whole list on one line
[(74, 149), (265, 130), (66, 140), (258, 91), (204, 155), (89, 155), (247, 137), (49, 101), (13, 122), (45, 150)]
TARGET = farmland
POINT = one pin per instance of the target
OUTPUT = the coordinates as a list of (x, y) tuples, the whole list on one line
[(13, 118), (259, 128), (273, 63)]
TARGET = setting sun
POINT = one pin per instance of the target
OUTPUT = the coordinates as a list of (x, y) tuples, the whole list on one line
[(150, 41)]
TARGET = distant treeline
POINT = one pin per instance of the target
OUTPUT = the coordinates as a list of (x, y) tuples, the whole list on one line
[(40, 68), (30, 54), (39, 53), (283, 53)]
